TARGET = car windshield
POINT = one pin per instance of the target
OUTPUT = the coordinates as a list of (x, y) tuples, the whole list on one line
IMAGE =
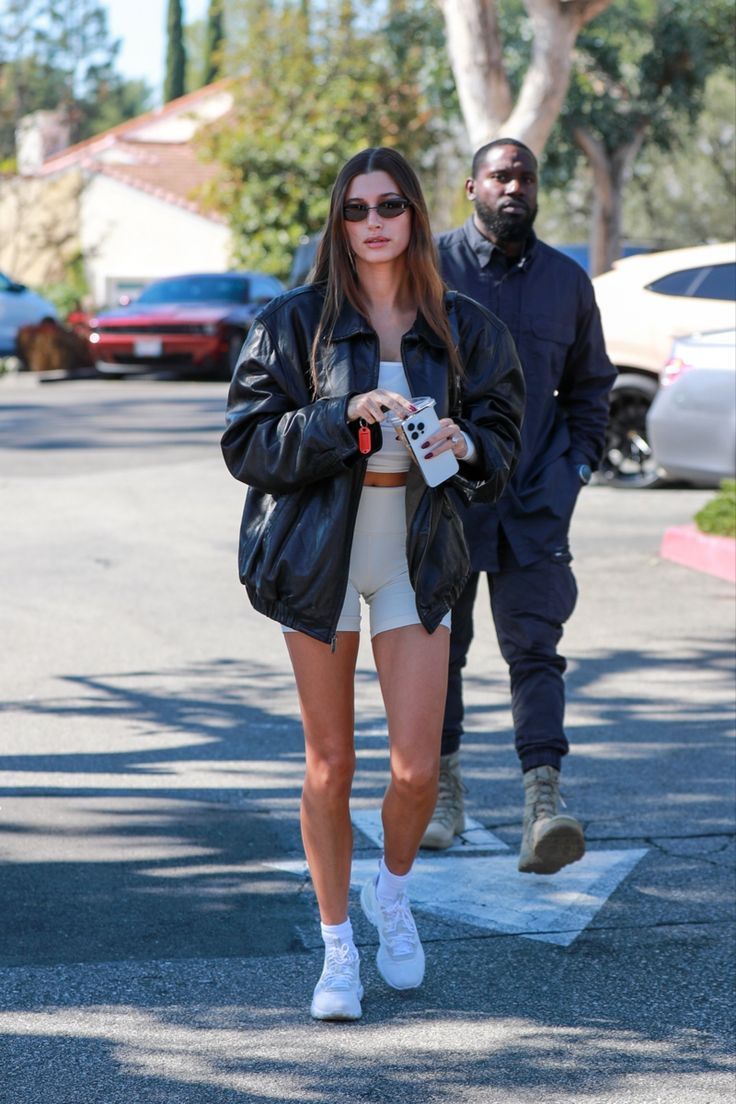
[(197, 289)]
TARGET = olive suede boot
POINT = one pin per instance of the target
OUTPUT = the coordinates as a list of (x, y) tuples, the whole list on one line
[(448, 818), (550, 840)]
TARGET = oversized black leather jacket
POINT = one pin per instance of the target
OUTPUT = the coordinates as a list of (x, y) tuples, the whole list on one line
[(300, 459)]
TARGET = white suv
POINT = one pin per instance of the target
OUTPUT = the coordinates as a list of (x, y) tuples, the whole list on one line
[(645, 301)]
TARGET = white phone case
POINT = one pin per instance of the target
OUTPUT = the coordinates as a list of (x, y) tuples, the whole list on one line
[(416, 429)]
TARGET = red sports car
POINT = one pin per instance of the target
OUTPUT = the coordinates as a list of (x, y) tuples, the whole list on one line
[(195, 324)]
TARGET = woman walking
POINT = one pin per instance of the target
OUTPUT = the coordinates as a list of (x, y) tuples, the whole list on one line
[(336, 509)]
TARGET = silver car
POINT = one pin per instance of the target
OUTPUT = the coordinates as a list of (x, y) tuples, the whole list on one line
[(692, 421), (19, 306)]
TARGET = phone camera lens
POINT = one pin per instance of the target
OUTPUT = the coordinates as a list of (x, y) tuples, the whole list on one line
[(414, 436)]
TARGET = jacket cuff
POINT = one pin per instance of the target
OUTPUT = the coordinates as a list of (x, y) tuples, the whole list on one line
[(472, 452)]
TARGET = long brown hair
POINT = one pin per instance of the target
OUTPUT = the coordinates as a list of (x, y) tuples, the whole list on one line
[(334, 269)]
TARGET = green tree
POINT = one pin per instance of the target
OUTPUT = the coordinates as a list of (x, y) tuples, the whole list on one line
[(660, 203), (323, 81), (176, 60), (637, 90), (526, 104), (640, 77), (214, 41), (58, 55)]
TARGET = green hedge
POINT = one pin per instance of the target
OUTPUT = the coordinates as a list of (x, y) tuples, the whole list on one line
[(718, 516)]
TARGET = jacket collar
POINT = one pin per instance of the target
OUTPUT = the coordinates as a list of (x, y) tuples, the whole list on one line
[(484, 249), (351, 322)]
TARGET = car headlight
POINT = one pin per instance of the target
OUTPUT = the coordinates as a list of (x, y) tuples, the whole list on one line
[(93, 338)]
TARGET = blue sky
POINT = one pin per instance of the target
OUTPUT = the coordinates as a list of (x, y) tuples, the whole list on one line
[(141, 25)]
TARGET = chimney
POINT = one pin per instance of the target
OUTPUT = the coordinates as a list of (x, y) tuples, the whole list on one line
[(38, 136)]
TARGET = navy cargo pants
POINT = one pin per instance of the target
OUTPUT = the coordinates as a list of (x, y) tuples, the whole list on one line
[(530, 606)]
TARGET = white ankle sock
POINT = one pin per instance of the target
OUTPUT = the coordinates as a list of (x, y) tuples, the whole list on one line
[(338, 933), (390, 886)]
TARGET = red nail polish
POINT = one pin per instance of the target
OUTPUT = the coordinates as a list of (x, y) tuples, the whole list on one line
[(428, 455)]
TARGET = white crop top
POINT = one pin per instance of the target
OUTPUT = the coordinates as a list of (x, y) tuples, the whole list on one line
[(393, 456)]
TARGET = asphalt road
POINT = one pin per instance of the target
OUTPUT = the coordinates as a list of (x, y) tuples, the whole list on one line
[(150, 950)]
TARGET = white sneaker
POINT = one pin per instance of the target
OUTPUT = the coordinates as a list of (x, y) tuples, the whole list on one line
[(338, 993), (400, 958)]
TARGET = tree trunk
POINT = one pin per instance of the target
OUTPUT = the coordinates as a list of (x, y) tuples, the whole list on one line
[(611, 171), (474, 47), (475, 50)]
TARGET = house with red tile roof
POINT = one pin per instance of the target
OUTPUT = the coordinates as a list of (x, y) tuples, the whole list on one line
[(128, 201)]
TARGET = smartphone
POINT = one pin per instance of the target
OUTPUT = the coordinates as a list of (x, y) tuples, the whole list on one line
[(416, 428)]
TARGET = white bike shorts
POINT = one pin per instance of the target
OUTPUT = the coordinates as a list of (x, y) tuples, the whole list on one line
[(378, 568)]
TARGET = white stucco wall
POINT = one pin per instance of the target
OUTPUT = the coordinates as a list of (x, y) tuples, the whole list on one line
[(131, 237)]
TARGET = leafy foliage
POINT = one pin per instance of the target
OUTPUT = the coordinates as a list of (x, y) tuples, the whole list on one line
[(214, 41), (718, 517), (659, 198), (176, 58), (68, 294), (322, 82), (641, 64), (58, 55), (651, 90)]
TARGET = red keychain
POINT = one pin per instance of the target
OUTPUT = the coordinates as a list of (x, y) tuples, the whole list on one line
[(364, 439)]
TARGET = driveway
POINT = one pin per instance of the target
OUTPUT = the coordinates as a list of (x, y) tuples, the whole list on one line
[(159, 935)]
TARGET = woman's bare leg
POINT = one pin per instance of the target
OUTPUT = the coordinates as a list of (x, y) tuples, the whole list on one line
[(325, 682), (412, 667)]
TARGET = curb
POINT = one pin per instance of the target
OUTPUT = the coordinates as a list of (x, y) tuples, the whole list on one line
[(686, 545)]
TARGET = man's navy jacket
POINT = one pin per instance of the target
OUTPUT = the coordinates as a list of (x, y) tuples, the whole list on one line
[(547, 302)]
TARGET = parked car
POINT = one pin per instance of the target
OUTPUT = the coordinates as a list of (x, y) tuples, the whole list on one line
[(692, 421), (194, 323), (304, 257), (580, 251), (19, 306), (645, 302)]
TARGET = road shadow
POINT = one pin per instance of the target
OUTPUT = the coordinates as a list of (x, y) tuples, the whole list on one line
[(152, 948), (155, 850)]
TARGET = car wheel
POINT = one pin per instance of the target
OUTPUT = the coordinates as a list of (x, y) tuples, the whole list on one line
[(628, 460)]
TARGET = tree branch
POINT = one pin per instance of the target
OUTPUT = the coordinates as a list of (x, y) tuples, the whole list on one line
[(556, 25), (475, 49)]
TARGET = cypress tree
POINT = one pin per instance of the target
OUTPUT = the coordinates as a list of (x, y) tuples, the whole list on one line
[(213, 44), (174, 81)]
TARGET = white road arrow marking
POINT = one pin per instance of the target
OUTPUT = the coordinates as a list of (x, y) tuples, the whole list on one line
[(474, 838), (490, 893)]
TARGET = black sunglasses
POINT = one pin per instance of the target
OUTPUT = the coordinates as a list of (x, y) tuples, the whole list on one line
[(387, 209)]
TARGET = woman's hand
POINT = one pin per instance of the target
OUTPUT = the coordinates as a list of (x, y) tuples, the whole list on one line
[(374, 405), (448, 438)]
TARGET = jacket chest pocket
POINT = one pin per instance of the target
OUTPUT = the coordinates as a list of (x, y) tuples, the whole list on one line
[(547, 341)]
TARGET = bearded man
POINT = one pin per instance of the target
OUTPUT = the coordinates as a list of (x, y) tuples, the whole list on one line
[(522, 542)]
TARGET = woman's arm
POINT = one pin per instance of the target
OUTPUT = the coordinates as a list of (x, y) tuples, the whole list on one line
[(276, 438)]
